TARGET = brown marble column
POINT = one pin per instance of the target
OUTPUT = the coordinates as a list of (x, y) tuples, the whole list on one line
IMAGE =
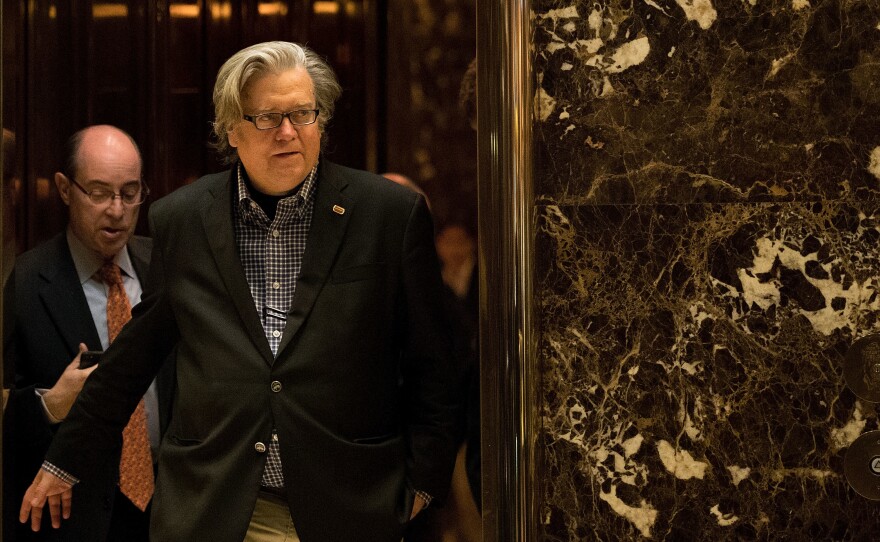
[(707, 193)]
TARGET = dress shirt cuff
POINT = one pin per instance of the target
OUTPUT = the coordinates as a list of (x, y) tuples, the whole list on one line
[(52, 419), (66, 477), (424, 496)]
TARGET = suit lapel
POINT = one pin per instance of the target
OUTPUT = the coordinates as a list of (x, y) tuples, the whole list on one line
[(217, 219), (66, 303), (325, 237), (139, 255)]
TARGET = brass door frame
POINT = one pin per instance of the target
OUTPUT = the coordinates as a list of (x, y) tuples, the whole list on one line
[(508, 368)]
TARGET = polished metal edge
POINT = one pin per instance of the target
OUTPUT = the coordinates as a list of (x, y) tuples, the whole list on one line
[(2, 262), (506, 229)]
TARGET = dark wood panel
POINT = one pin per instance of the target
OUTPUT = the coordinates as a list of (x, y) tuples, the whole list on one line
[(429, 136), (351, 66), (54, 82), (187, 144), (14, 194), (150, 67)]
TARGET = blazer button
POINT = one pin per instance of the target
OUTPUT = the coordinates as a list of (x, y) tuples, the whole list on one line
[(260, 447), (276, 386)]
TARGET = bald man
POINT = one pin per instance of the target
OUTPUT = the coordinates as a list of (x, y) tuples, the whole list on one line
[(60, 310)]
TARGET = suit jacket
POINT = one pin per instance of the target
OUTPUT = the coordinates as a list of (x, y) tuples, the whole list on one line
[(51, 317), (359, 392)]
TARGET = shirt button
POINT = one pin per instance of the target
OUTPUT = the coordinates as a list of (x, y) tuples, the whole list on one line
[(276, 333), (276, 386), (254, 205), (260, 447), (275, 233), (276, 285)]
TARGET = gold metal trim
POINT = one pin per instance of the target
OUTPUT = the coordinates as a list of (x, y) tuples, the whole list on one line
[(505, 202)]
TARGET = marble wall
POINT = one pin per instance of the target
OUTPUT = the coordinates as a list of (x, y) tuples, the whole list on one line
[(708, 181), (429, 136)]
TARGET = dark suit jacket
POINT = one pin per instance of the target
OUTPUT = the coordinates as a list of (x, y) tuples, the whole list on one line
[(51, 317), (359, 391)]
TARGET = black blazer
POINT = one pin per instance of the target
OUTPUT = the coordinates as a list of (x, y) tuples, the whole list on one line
[(51, 317), (359, 392)]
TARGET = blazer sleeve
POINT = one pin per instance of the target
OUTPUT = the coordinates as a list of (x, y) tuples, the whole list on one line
[(427, 365)]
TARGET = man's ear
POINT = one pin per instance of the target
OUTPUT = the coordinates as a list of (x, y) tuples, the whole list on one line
[(232, 136), (62, 183)]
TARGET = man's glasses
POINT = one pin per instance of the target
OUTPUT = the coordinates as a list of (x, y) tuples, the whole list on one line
[(131, 194), (267, 121)]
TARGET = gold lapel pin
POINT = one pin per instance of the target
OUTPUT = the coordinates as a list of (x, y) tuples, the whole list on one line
[(339, 210)]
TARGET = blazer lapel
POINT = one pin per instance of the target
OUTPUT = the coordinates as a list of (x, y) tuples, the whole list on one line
[(329, 220), (66, 303), (217, 219), (139, 254)]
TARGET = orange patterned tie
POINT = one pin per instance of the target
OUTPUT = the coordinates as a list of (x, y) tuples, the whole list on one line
[(136, 464)]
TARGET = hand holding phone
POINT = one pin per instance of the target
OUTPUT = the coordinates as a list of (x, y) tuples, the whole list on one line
[(89, 358)]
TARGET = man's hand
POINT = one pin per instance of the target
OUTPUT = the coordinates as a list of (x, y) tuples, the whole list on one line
[(45, 487), (61, 396)]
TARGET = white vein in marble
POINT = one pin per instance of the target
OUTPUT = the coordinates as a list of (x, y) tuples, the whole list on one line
[(738, 474), (656, 6), (631, 53), (700, 11), (825, 320), (778, 64), (843, 437), (544, 104), (680, 463), (643, 517), (874, 163), (724, 520)]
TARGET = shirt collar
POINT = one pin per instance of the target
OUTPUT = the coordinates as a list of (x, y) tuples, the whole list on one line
[(87, 263), (244, 197)]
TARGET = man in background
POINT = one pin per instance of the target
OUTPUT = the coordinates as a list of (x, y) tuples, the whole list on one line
[(72, 294), (458, 520)]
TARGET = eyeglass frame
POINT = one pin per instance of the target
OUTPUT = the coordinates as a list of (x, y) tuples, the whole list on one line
[(253, 118), (145, 191)]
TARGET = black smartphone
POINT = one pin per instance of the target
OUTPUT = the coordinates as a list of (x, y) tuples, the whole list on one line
[(89, 358)]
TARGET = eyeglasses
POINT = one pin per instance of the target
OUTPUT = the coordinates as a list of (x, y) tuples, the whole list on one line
[(267, 121), (131, 194)]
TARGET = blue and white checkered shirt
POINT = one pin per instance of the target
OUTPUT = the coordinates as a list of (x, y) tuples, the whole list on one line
[(271, 254)]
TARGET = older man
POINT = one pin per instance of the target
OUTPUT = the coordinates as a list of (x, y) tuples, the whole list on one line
[(314, 384), (64, 303)]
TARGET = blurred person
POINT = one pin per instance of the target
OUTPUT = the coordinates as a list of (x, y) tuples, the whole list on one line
[(458, 520), (403, 180), (11, 194), (467, 100), (456, 247), (314, 398), (457, 250), (61, 304)]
